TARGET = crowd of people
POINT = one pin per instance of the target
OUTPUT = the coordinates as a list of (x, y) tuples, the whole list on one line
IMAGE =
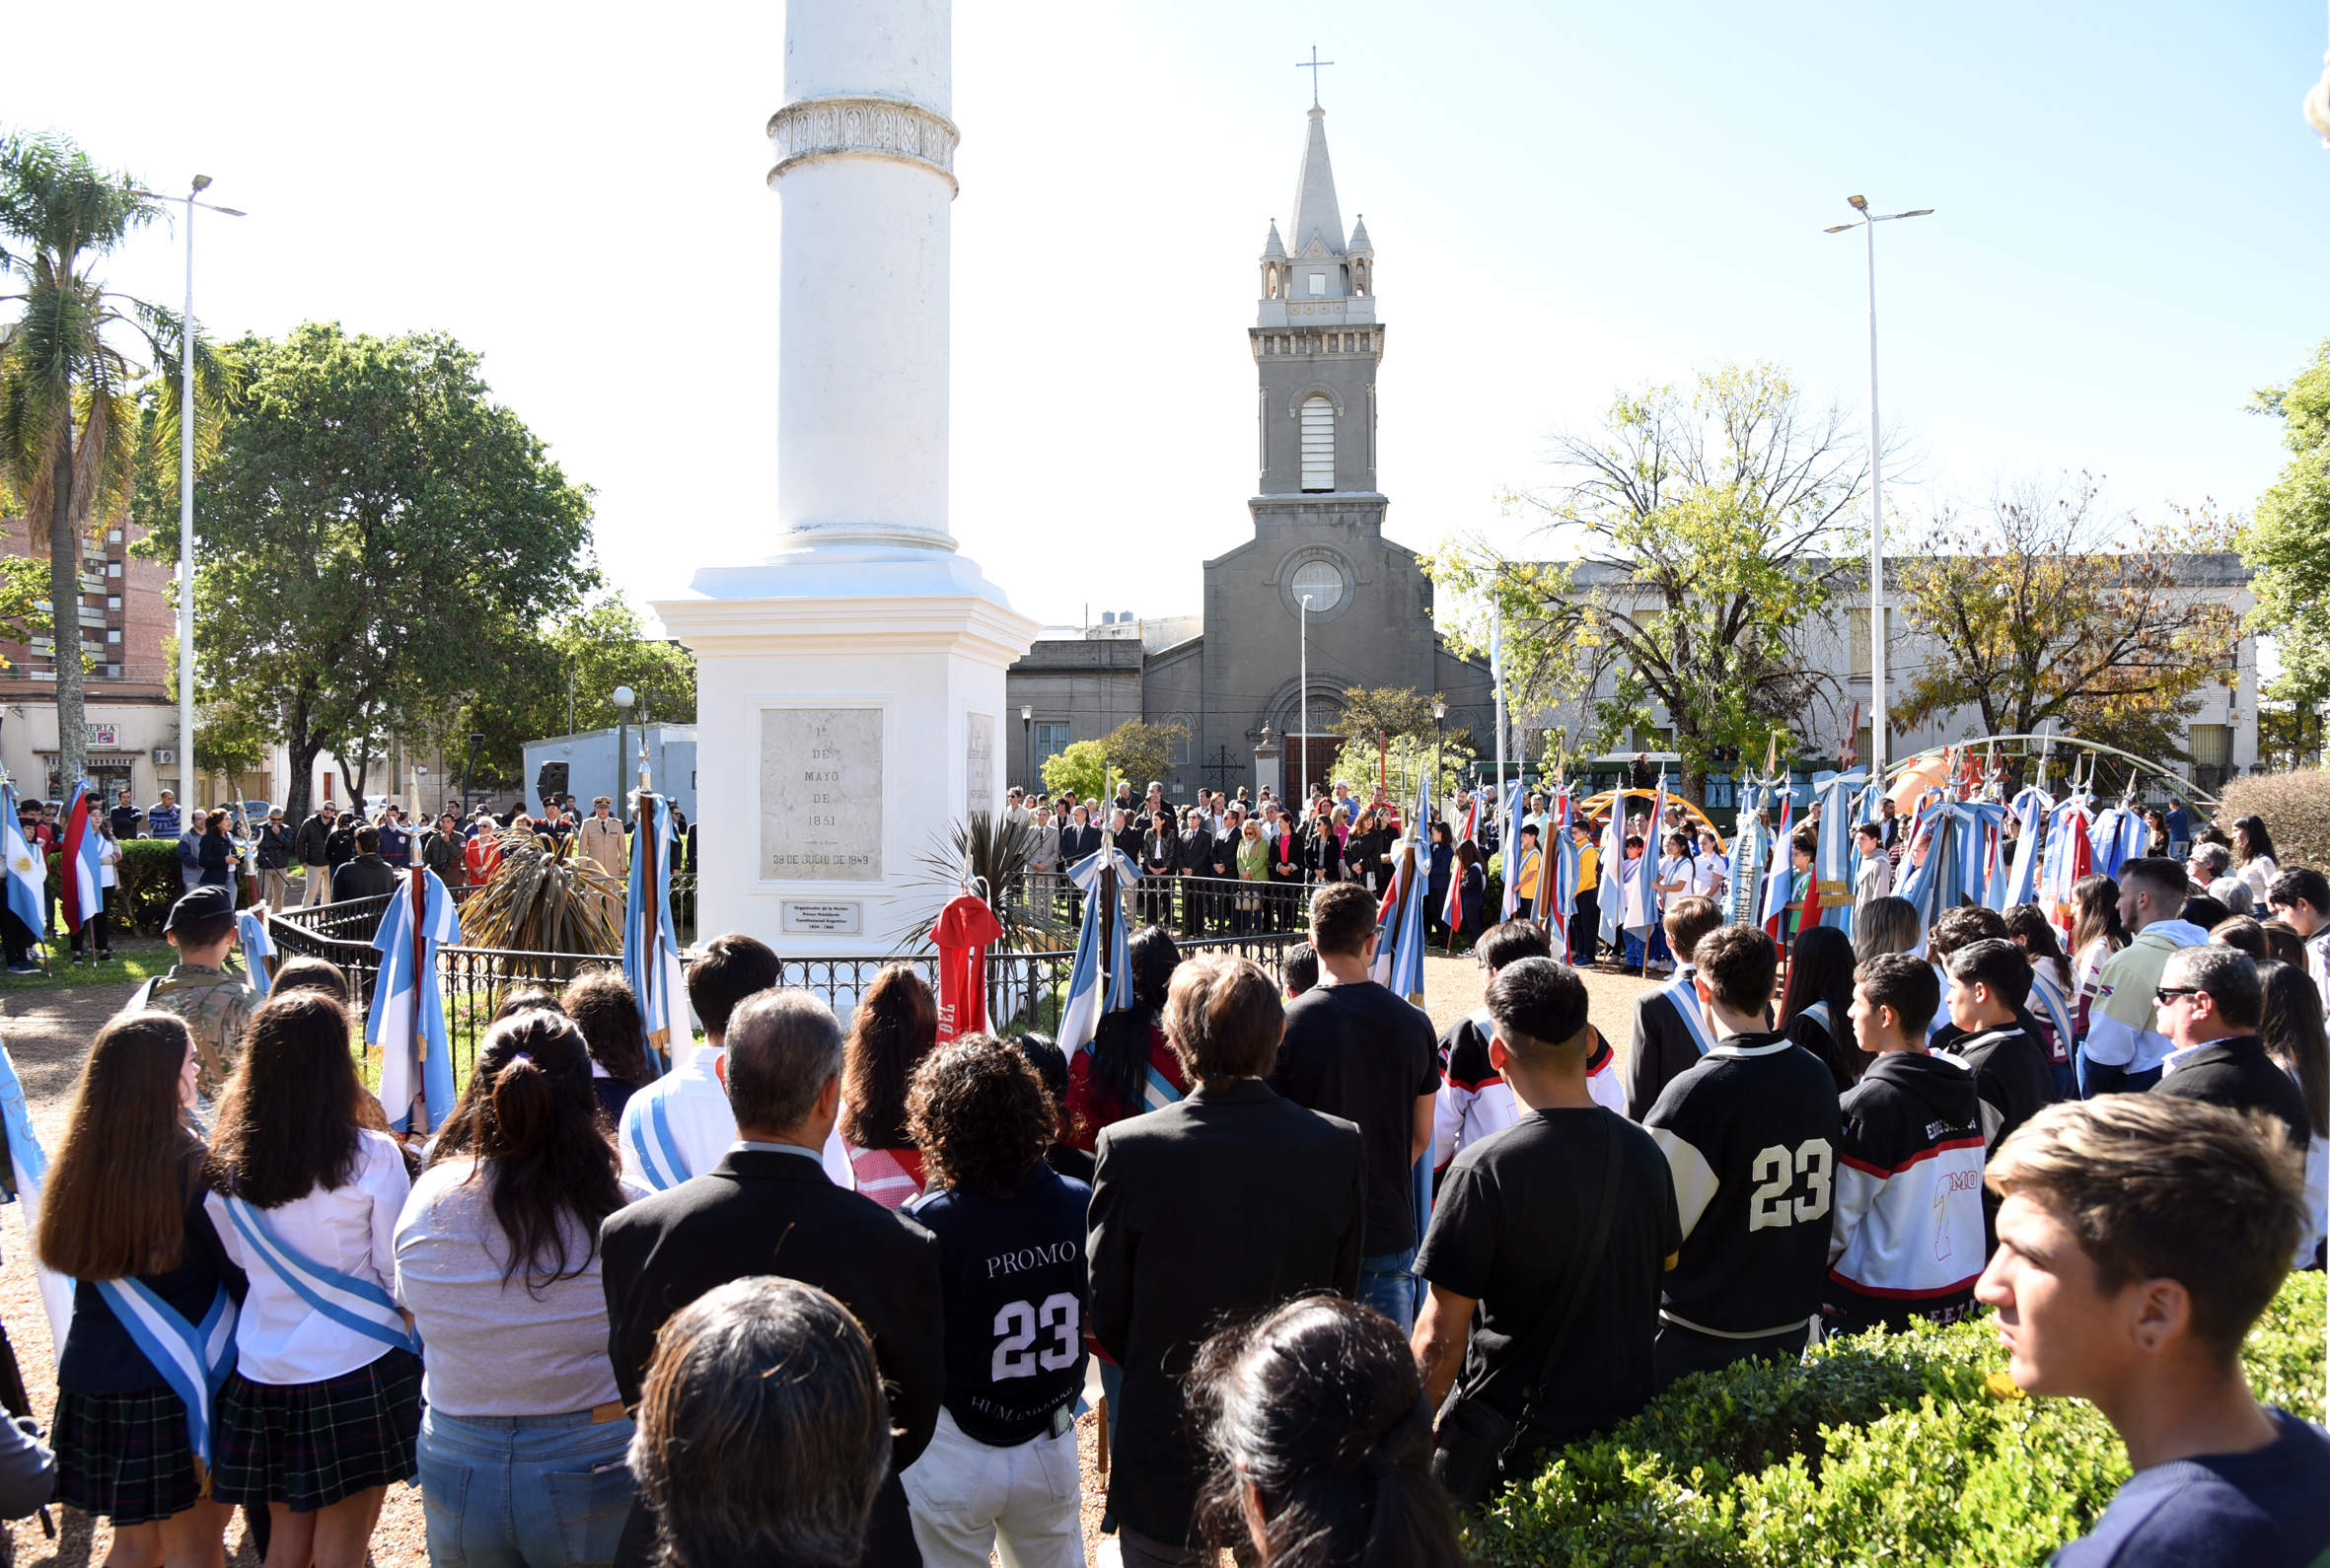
[(831, 1292)]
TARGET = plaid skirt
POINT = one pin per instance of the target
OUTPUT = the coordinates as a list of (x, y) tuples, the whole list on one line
[(124, 1455), (309, 1444)]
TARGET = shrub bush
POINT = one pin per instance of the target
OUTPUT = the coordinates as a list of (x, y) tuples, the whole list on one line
[(2295, 808), (150, 883), (1908, 1449)]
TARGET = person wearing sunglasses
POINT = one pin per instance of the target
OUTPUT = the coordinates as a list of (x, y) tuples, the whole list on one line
[(2211, 1004)]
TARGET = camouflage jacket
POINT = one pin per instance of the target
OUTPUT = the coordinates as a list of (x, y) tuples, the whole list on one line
[(215, 1006)]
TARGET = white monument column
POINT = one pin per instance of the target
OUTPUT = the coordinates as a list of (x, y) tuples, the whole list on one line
[(849, 687)]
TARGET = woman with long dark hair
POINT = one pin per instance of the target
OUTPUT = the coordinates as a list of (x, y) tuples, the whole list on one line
[(214, 852), (1818, 996), (1319, 1442), (1129, 1068), (893, 1027), (2253, 856), (2295, 1039), (323, 1410), (1364, 853), (122, 1215), (1472, 886), (497, 1260), (1442, 866), (2096, 933), (2051, 999), (604, 1008)]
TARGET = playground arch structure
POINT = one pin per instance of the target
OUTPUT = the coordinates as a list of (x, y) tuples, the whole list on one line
[(2045, 750), (1595, 807)]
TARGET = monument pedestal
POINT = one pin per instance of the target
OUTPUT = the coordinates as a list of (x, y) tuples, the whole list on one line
[(849, 704)]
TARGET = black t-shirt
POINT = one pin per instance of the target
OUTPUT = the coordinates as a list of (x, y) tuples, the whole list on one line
[(1362, 1053), (1515, 1216), (1013, 1276)]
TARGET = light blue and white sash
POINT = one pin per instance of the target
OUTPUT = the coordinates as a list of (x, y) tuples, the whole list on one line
[(1683, 997), (651, 1135), (356, 1304), (193, 1360), (1158, 1092), (1818, 1012)]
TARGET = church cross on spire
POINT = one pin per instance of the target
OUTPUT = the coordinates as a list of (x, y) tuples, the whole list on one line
[(1313, 65)]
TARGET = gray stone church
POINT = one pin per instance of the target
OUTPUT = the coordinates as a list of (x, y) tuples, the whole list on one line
[(1229, 675)]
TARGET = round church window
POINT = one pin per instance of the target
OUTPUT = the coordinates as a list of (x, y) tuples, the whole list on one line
[(1321, 583)]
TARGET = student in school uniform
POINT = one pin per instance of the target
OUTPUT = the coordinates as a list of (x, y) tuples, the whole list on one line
[(323, 1410)]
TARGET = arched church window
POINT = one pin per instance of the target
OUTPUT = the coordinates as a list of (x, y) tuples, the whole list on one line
[(1320, 582), (1318, 444)]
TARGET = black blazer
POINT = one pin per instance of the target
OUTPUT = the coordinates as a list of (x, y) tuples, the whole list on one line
[(2237, 1074), (766, 1212), (1197, 853), (1662, 1051), (1077, 843), (1203, 1213)]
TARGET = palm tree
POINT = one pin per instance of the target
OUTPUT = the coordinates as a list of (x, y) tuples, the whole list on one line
[(70, 421)]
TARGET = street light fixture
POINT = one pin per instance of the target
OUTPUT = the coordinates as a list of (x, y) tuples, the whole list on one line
[(185, 488), (1439, 712), (1026, 737), (1868, 225), (623, 698)]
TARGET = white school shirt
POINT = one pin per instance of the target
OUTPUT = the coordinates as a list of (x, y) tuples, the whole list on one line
[(703, 1127), (280, 1340)]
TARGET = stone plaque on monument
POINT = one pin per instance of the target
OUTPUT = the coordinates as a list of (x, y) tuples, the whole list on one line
[(842, 918), (979, 763), (820, 794)]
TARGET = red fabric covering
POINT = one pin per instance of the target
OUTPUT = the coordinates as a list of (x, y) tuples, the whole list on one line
[(961, 933), (1090, 1104)]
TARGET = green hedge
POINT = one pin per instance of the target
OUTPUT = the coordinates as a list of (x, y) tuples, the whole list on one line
[(1911, 1449), (151, 882)]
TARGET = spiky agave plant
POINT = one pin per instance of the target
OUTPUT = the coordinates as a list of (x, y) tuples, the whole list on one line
[(546, 897), (989, 855)]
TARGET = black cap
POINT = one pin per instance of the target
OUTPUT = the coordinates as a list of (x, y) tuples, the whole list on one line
[(202, 903)]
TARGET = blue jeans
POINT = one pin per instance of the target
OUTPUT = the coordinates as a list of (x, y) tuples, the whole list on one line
[(1386, 1285), (523, 1491)]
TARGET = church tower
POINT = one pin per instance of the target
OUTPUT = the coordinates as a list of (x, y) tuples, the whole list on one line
[(1316, 343)]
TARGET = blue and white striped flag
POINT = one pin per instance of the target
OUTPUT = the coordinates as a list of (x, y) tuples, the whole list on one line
[(26, 1174), (27, 876), (258, 947), (1407, 959), (2020, 883), (408, 1017), (1835, 862), (1610, 894), (651, 946), (2117, 838), (1081, 1011), (1507, 825)]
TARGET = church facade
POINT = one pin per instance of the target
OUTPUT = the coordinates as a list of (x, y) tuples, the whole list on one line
[(1230, 674)]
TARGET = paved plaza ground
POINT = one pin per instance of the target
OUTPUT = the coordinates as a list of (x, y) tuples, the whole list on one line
[(47, 1032)]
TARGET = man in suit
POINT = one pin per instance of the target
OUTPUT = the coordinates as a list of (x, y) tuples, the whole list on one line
[(1671, 1034), (1217, 1206), (768, 1208)]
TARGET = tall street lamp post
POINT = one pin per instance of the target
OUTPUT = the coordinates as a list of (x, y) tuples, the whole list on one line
[(185, 496), (1027, 738), (623, 699), (1432, 793), (1868, 225), (1302, 683)]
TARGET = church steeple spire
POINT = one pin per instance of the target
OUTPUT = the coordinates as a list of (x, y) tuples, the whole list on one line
[(1317, 218)]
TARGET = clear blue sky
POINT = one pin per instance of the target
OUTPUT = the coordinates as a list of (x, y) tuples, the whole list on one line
[(2129, 237)]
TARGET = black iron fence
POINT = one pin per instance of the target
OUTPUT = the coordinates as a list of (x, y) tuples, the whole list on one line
[(1025, 990)]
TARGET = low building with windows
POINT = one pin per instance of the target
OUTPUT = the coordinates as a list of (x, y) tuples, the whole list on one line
[(2221, 735), (1318, 582)]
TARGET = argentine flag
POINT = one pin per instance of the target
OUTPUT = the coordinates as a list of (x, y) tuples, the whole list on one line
[(1611, 897), (1779, 883), (25, 1173), (1835, 860), (84, 895), (27, 878), (1511, 848), (1407, 958), (2020, 883), (1080, 1013), (408, 1017), (651, 949)]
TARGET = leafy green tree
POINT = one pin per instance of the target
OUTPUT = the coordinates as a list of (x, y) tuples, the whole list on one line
[(1401, 762), (70, 422), (1381, 717), (2288, 539), (2041, 610), (1703, 526), (376, 540), (230, 741), (588, 653), (1141, 751), (23, 589), (1080, 765)]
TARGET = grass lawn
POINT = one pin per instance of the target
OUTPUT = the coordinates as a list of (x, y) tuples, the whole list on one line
[(135, 959)]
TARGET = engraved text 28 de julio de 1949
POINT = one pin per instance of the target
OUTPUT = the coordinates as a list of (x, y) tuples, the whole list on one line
[(820, 794)]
